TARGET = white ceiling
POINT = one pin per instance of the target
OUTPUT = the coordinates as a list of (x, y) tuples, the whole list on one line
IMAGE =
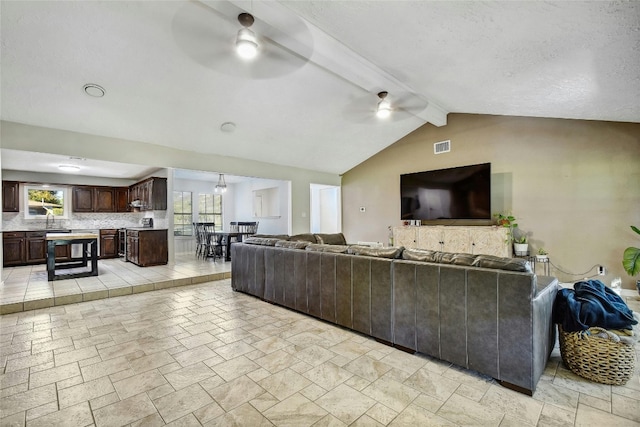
[(172, 79)]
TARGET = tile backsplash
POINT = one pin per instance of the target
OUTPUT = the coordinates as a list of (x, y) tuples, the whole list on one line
[(85, 221)]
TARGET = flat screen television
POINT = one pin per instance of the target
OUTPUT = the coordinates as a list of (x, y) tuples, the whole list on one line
[(462, 192)]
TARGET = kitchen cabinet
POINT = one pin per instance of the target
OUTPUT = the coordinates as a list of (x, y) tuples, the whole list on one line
[(82, 200), (122, 199), (104, 199), (93, 199), (29, 247), (36, 247), (10, 196), (108, 243), (147, 247), (150, 194), (13, 248)]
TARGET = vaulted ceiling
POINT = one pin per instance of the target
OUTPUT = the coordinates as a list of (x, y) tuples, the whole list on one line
[(172, 78)]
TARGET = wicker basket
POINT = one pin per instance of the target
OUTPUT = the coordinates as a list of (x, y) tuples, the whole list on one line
[(603, 360)]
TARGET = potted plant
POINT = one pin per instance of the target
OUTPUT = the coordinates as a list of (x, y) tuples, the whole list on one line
[(520, 245), (507, 221), (631, 260), (542, 255)]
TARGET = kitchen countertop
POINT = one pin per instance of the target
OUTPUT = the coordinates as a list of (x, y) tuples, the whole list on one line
[(71, 236), (144, 228)]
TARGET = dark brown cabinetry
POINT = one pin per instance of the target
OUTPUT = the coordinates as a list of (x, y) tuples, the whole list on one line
[(10, 196), (150, 194), (94, 199), (147, 247), (108, 243), (104, 199), (29, 247), (122, 199), (36, 247), (83, 199), (13, 248)]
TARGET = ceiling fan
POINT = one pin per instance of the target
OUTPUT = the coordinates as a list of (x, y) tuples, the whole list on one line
[(211, 32), (383, 106)]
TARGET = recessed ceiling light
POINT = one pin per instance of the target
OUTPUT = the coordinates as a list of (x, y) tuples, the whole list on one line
[(94, 90), (69, 168), (228, 127)]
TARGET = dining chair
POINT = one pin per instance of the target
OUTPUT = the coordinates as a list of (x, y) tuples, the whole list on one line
[(199, 235)]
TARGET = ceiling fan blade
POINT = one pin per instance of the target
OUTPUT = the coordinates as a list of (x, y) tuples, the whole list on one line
[(403, 106), (208, 37)]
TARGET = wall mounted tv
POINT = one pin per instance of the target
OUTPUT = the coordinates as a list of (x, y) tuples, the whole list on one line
[(447, 194)]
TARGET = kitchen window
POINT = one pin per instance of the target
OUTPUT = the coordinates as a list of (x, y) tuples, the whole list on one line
[(182, 213), (210, 209), (43, 201)]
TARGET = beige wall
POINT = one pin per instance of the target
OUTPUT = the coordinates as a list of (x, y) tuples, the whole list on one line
[(46, 140), (573, 185)]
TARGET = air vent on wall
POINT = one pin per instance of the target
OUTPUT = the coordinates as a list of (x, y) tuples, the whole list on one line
[(442, 147)]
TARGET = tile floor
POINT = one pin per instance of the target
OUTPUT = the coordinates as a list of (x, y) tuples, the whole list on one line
[(204, 355), (26, 287)]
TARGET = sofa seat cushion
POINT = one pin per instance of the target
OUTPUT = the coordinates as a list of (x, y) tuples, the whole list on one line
[(305, 237), (292, 245), (392, 252), (511, 264), (316, 247), (331, 239)]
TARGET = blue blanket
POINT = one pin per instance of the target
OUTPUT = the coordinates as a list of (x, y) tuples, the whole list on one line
[(591, 303)]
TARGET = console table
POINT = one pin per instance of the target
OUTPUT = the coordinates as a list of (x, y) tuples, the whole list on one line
[(89, 242), (489, 240)]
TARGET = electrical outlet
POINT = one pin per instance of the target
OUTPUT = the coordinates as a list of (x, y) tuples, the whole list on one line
[(601, 270)]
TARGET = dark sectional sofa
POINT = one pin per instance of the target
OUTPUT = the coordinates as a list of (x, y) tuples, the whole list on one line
[(492, 315)]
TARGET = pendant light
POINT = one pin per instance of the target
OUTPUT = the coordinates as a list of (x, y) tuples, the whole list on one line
[(221, 187), (384, 106), (246, 42)]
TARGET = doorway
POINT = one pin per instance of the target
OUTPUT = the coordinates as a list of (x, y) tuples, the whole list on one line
[(326, 208)]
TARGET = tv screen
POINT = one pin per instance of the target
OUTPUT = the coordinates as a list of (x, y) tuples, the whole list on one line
[(456, 193)]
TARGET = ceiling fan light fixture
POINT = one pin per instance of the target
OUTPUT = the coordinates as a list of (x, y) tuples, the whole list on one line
[(383, 110), (246, 41), (221, 187)]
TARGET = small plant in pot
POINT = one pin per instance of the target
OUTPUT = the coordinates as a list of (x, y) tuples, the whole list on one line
[(520, 246), (631, 260), (542, 255)]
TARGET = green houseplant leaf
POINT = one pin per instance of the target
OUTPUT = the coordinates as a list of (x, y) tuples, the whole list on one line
[(631, 258)]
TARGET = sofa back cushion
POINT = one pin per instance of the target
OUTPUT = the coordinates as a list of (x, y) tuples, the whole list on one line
[(291, 245), (331, 239), (305, 237), (264, 241), (423, 255), (391, 252), (316, 247), (511, 264)]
